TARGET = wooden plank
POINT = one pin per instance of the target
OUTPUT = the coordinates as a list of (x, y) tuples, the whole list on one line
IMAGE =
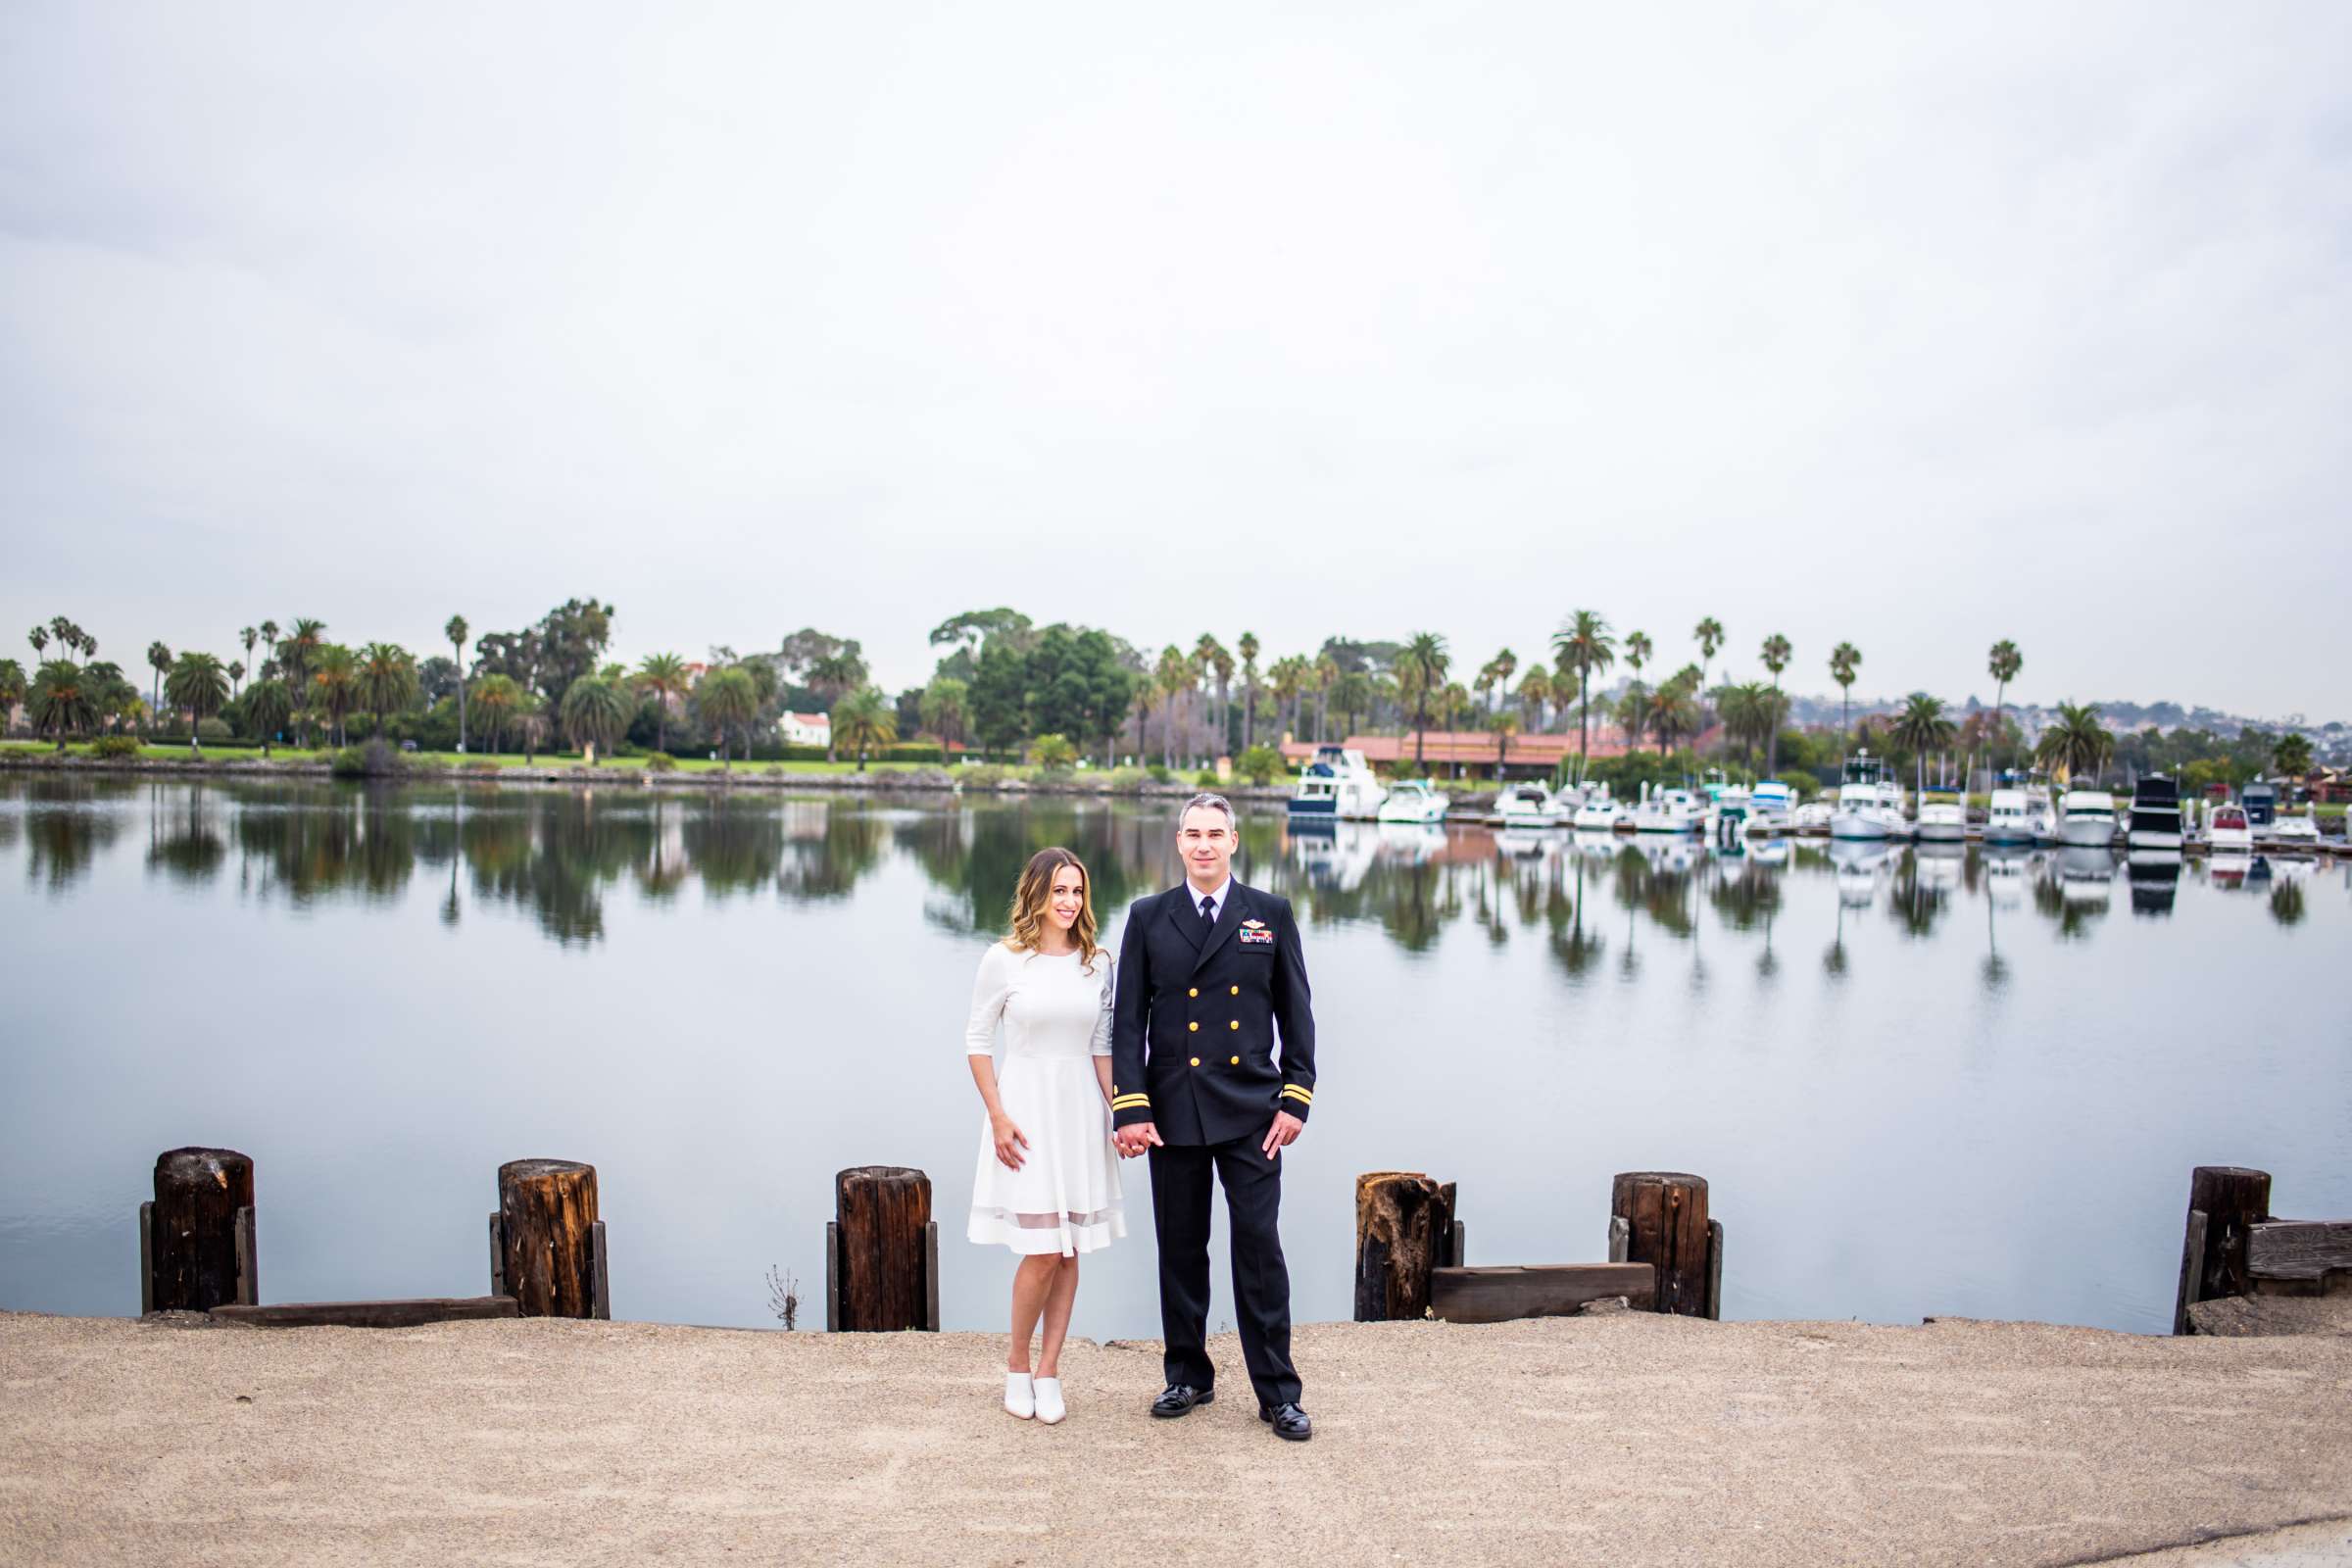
[(1621, 1238), (249, 1262), (832, 1276), (931, 1276), (1499, 1295), (498, 1256), (2193, 1271), (2298, 1249), (1714, 1312), (1458, 1254), (402, 1315), (600, 1296), (146, 1258)]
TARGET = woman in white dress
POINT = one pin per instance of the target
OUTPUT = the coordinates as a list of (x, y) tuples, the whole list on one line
[(1048, 1180)]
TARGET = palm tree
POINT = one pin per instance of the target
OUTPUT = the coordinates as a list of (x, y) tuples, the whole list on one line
[(1420, 671), (269, 708), (1495, 676), (945, 709), (2290, 755), (595, 715), (1844, 660), (1249, 646), (1173, 674), (269, 631), (866, 721), (11, 690), (200, 685), (39, 638), (63, 699), (1535, 695), (728, 696), (2077, 743), (1583, 644), (1708, 634), (1922, 728), (248, 635), (334, 679), (1740, 707), (663, 676), (387, 680), (1324, 677), (458, 634), (159, 659), (1672, 714), (1285, 679), (2004, 664), (501, 701), (1775, 658), (1505, 724), (1220, 664)]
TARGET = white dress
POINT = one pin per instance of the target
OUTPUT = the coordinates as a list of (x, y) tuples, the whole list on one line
[(1057, 1015)]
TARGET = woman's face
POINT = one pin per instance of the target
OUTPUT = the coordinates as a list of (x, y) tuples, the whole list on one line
[(1067, 897)]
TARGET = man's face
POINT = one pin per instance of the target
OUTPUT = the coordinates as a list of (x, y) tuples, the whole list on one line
[(1205, 841)]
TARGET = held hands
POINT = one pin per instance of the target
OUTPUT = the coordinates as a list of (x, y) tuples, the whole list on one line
[(1008, 1140), (1136, 1138), (1284, 1133)]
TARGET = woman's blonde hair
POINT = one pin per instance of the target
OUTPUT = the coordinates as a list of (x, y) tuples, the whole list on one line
[(1032, 899)]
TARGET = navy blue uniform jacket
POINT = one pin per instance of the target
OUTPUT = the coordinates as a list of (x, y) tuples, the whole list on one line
[(1193, 1037)]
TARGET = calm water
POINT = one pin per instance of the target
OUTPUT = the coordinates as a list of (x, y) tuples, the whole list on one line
[(1971, 1085)]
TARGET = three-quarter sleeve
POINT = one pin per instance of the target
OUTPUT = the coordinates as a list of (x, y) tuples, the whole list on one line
[(1111, 996), (990, 987)]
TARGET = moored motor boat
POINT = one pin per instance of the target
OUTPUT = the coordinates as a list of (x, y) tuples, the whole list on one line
[(2086, 819), (1675, 810), (1870, 806), (1943, 818), (1770, 805), (1412, 800), (1337, 783), (2155, 820), (1527, 804), (1811, 818), (2227, 831), (2006, 821), (1600, 813), (2293, 830)]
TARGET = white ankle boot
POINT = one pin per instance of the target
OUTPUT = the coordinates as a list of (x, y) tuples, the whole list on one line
[(1050, 1408), (1021, 1396)]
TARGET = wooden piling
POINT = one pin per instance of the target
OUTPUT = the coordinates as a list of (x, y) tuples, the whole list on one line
[(2225, 1204), (549, 1239), (1666, 1226), (1404, 1227), (198, 1249), (882, 1251)]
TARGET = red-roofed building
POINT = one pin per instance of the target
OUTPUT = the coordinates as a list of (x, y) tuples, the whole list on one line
[(1527, 756)]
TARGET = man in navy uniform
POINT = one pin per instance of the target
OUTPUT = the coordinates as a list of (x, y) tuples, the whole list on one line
[(1209, 973)]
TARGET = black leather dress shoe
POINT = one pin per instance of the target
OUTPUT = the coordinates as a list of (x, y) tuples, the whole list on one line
[(1178, 1398), (1288, 1420)]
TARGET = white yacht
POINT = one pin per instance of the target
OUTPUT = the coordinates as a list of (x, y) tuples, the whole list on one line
[(1812, 817), (1770, 807), (1413, 800), (2012, 819), (1337, 783), (2155, 815), (2086, 819), (1669, 811), (1870, 804), (2228, 831), (1527, 804), (1599, 813), (2294, 830), (1943, 817)]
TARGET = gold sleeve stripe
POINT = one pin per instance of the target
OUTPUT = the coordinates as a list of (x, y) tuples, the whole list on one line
[(1130, 1101), (1294, 1092)]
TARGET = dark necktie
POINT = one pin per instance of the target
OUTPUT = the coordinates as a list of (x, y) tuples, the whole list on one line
[(1209, 916)]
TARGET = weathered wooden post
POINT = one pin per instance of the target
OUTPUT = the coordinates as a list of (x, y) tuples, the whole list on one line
[(1404, 1227), (881, 1252), (2225, 1204), (196, 1235), (547, 1247), (1660, 1217)]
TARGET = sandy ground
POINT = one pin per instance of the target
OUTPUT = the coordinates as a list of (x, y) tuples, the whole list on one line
[(1624, 1439)]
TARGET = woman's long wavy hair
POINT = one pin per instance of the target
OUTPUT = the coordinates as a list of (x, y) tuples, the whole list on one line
[(1032, 900)]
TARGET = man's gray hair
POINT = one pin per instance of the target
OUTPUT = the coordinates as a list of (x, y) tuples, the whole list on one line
[(1210, 800)]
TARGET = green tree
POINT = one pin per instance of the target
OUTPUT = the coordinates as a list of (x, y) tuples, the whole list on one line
[(1000, 696), (1249, 646), (1535, 695), (1495, 676), (1324, 677), (459, 635), (1638, 651), (2290, 755), (198, 684), (2004, 664), (834, 675), (500, 699), (386, 681), (664, 676), (1922, 728), (1420, 671), (595, 713), (1583, 644), (11, 690), (2076, 744), (1708, 634), (62, 700), (1844, 660), (1172, 675), (728, 700), (1054, 751), (301, 647), (1259, 764), (39, 638), (335, 683), (1506, 724), (248, 636), (159, 659), (867, 720), (269, 631), (269, 708), (1672, 714), (945, 709), (1776, 653), (1287, 680)]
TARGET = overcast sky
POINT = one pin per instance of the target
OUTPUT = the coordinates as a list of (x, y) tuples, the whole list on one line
[(1919, 326)]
